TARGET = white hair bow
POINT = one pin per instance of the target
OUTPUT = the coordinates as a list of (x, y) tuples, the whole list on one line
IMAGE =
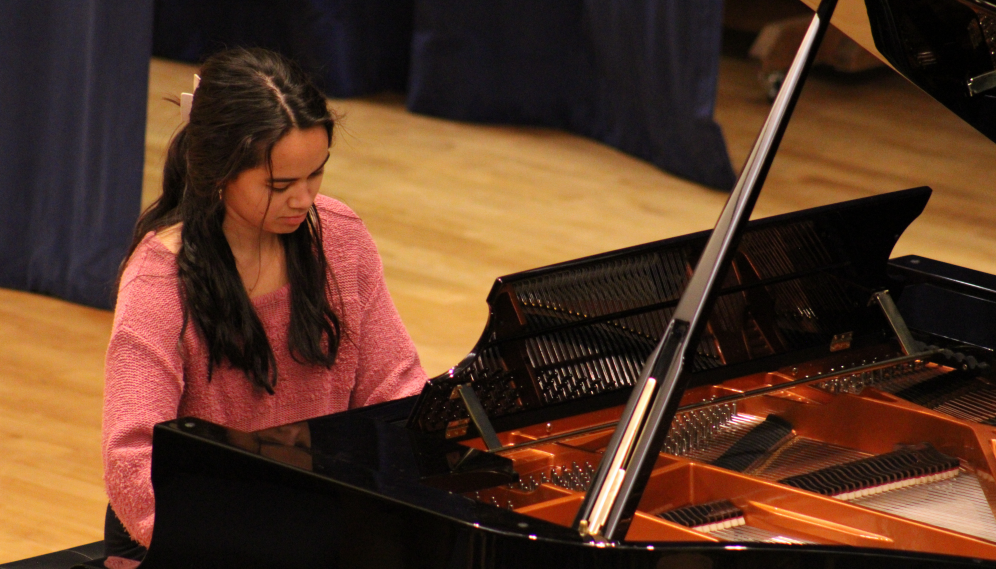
[(187, 100)]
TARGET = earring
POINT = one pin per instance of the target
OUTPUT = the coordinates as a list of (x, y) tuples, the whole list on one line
[(221, 196)]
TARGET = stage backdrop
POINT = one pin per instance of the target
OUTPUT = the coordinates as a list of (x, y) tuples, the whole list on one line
[(73, 83), (353, 47), (639, 75)]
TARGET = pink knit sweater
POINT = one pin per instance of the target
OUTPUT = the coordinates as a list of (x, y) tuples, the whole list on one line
[(148, 380)]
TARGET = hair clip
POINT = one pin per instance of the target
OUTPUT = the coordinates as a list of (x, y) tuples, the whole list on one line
[(187, 100)]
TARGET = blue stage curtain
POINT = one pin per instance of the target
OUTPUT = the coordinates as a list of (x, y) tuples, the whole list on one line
[(639, 75), (352, 47), (73, 95)]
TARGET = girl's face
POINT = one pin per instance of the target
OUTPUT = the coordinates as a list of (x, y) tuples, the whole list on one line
[(279, 204)]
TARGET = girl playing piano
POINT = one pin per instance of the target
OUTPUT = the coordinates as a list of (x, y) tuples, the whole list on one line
[(247, 298)]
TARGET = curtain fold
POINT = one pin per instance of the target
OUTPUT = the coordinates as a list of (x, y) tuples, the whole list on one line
[(73, 97), (638, 75)]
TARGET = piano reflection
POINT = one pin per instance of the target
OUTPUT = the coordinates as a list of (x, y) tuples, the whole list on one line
[(770, 393)]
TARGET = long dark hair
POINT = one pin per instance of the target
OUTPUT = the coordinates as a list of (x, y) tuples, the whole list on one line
[(248, 99)]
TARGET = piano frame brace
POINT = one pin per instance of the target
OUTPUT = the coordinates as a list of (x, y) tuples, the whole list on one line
[(479, 417)]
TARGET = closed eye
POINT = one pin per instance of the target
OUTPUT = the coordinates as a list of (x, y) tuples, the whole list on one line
[(281, 184)]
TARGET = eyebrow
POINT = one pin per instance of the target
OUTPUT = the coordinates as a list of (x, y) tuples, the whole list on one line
[(281, 180)]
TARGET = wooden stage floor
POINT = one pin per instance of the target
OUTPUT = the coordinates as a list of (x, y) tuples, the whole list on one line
[(453, 206)]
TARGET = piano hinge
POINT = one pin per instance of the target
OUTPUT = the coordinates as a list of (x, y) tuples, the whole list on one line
[(457, 428), (841, 341), (981, 83)]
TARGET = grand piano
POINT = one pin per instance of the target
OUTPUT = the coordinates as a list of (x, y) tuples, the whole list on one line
[(773, 393)]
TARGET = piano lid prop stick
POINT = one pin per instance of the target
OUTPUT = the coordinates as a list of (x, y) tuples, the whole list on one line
[(615, 472), (679, 340)]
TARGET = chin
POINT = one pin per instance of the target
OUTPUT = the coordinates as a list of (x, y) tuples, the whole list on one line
[(283, 226)]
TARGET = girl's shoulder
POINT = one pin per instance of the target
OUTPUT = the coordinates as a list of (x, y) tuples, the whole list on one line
[(331, 210), (342, 223), (170, 237), (154, 257), (148, 295), (349, 247)]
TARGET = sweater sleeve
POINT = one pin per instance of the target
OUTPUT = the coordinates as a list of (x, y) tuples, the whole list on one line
[(388, 365), (143, 383)]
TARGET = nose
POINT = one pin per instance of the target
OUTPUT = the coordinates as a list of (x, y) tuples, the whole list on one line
[(301, 197)]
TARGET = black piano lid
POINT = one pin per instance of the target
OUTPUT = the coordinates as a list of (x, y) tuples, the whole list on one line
[(947, 48), (575, 335)]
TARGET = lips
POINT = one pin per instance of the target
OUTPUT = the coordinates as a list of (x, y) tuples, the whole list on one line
[(295, 219)]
